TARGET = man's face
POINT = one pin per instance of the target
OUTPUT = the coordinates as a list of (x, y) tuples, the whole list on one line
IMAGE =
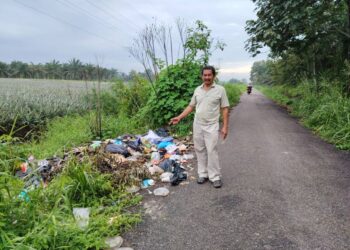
[(207, 77)]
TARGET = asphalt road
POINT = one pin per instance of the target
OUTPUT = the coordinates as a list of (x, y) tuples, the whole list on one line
[(284, 188)]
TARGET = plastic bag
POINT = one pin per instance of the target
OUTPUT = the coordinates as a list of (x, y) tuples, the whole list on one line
[(118, 149), (81, 215), (162, 191)]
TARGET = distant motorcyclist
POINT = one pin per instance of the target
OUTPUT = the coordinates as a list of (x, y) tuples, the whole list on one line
[(249, 88)]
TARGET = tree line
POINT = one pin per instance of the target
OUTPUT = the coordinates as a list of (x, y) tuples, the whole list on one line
[(73, 70), (305, 39)]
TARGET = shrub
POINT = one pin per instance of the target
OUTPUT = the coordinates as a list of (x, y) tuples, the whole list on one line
[(175, 87)]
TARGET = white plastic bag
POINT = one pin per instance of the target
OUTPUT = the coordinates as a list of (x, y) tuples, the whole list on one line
[(162, 191), (81, 215)]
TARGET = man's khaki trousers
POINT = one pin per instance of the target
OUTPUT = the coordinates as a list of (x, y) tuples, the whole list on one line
[(206, 139)]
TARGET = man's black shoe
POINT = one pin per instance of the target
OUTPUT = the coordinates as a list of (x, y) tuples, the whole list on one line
[(217, 184), (201, 180)]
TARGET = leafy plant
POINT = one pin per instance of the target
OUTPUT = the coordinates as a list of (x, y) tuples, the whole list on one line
[(174, 91)]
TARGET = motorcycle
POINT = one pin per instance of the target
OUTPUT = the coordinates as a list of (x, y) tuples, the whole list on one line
[(249, 89)]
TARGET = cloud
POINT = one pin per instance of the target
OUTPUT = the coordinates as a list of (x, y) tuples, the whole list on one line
[(234, 25), (239, 70), (28, 35)]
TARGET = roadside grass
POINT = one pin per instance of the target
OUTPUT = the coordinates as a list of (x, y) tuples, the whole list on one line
[(321, 108), (62, 133), (234, 92), (43, 218), (46, 221)]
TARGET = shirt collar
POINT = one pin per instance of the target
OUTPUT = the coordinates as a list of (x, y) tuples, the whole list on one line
[(212, 86)]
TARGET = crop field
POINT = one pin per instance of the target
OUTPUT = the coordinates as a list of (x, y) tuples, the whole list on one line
[(31, 102)]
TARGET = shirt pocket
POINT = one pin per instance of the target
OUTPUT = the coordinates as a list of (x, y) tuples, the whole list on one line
[(199, 98), (214, 102)]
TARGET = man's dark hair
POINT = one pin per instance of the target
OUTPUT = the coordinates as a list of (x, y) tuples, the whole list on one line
[(210, 68)]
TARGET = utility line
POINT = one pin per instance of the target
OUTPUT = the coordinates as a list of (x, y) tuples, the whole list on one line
[(136, 10), (90, 15), (111, 15), (64, 21)]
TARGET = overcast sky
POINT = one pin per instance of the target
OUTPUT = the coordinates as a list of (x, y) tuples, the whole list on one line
[(39, 31)]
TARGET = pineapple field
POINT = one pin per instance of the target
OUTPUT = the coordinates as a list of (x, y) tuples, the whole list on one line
[(28, 103)]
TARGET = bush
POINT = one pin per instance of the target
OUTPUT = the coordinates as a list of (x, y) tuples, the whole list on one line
[(125, 98), (174, 87)]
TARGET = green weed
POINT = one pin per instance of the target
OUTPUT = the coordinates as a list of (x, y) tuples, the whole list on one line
[(321, 107), (46, 221)]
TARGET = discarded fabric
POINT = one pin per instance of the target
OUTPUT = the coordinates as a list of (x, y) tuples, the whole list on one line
[(118, 149), (162, 132), (167, 165), (135, 145)]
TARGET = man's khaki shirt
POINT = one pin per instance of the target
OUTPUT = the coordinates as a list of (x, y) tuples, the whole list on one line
[(208, 103)]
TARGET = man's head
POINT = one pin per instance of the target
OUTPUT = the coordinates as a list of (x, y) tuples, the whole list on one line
[(208, 75)]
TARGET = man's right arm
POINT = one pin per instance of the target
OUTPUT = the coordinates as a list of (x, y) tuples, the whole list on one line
[(184, 113)]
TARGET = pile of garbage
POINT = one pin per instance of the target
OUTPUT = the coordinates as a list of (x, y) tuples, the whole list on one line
[(152, 154), (137, 161)]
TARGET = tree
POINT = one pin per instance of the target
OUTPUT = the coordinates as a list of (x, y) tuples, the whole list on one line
[(3, 69), (74, 69), (314, 32), (196, 44), (304, 28), (260, 73), (234, 80), (53, 69)]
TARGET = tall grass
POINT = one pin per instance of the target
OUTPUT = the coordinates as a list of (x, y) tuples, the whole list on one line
[(62, 134), (321, 107), (45, 220), (234, 92)]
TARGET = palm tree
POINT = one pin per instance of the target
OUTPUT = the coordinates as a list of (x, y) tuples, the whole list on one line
[(53, 69), (18, 69), (90, 72), (3, 69), (74, 69)]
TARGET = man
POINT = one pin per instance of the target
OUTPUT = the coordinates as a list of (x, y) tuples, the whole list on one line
[(249, 88), (207, 100)]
